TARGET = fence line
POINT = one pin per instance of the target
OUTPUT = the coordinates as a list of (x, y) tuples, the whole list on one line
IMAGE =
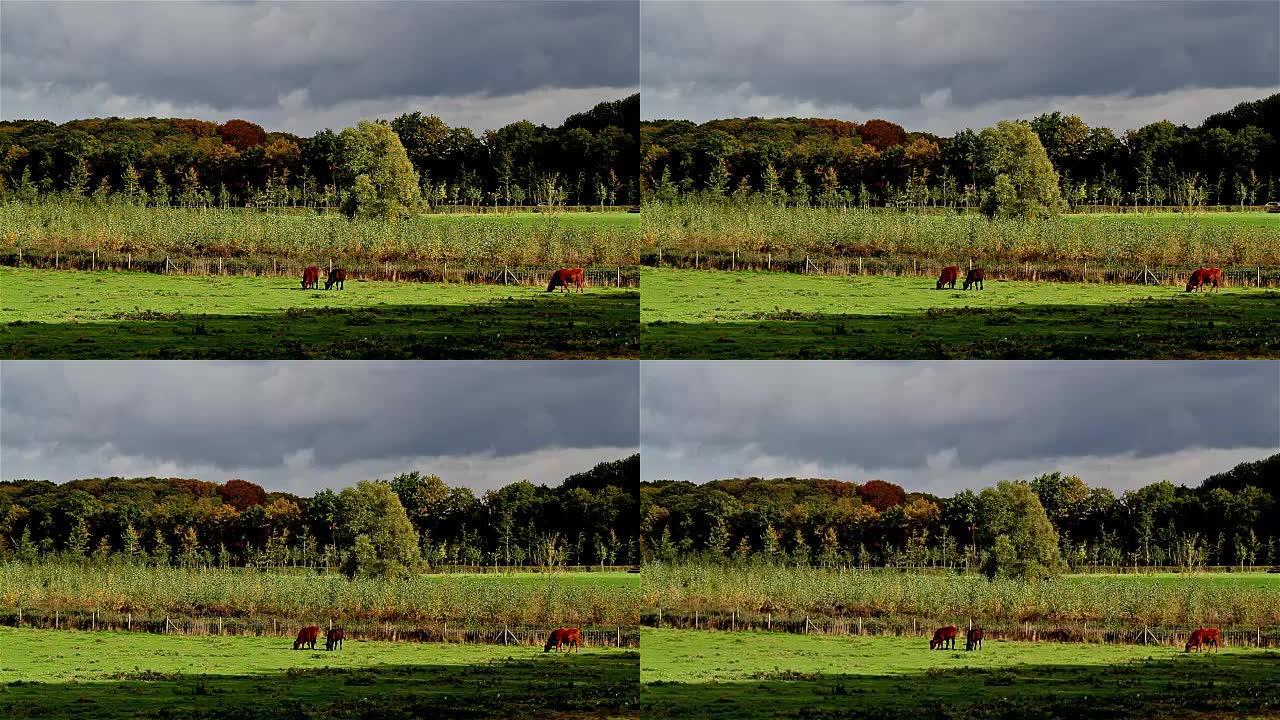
[(1084, 631), (436, 631), (1084, 271), (622, 276)]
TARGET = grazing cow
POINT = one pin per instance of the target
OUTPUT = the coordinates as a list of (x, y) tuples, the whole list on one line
[(334, 639), (561, 278), (564, 636), (1205, 276), (311, 278), (944, 637), (307, 636), (1206, 637), (337, 276), (948, 276), (975, 277), (973, 639)]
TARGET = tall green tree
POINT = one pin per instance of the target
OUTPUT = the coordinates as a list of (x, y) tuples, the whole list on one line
[(374, 163), (1016, 166)]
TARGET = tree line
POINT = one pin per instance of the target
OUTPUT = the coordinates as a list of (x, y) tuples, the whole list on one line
[(1051, 523), (1229, 159), (590, 159), (381, 528)]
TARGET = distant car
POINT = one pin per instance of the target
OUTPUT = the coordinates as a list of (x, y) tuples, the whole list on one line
[(1273, 207)]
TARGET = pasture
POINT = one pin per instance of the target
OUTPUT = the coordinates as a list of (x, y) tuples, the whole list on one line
[(110, 315), (749, 314), (110, 675), (763, 675)]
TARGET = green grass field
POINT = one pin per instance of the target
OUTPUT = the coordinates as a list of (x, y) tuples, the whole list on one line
[(492, 600), (709, 314), (56, 314), (747, 675), (1117, 601), (111, 675)]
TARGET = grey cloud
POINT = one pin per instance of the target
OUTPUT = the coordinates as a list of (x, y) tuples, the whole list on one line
[(921, 419), (911, 55), (254, 56), (319, 416)]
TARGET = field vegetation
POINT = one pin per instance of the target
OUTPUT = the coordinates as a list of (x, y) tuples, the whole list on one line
[(1242, 600), (760, 234), (254, 597), (761, 675), (62, 232), (119, 676)]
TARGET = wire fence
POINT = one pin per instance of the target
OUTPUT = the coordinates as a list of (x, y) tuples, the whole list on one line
[(621, 276), (1246, 276), (436, 631), (1084, 631)]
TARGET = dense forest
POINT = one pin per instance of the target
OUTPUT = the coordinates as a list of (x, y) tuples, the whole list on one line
[(590, 159), (1232, 158), (589, 519), (1229, 519)]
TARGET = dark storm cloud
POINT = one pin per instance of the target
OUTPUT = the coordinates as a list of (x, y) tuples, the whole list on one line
[(254, 56), (273, 417), (925, 419), (947, 56)]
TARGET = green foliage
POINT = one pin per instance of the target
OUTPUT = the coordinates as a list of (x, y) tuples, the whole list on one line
[(1015, 165), (374, 163), (1024, 542)]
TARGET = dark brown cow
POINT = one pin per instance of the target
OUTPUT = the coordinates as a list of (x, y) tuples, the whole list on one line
[(948, 276), (944, 637), (337, 276), (307, 636), (564, 636), (311, 278), (1205, 276), (973, 639), (561, 278), (334, 639), (1207, 637), (975, 277)]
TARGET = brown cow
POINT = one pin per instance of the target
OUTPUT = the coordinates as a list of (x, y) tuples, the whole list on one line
[(1211, 637), (307, 636), (944, 637), (311, 278), (973, 639), (561, 278), (1205, 276), (334, 639), (337, 276), (564, 636), (948, 276), (975, 277)]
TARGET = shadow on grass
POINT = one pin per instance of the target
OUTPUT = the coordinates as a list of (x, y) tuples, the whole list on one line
[(1234, 685), (600, 325), (603, 685), (1227, 326)]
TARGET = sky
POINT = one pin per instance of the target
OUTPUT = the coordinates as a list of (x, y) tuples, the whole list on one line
[(303, 426), (944, 66), (305, 66), (941, 427)]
